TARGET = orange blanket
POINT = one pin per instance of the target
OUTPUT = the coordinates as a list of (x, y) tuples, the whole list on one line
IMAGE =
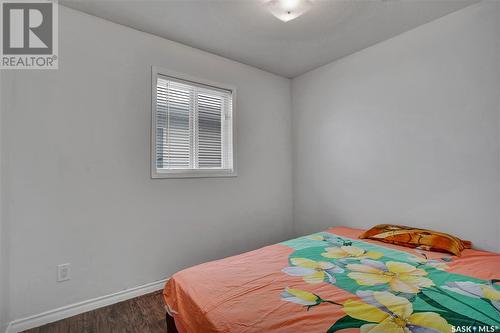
[(258, 291)]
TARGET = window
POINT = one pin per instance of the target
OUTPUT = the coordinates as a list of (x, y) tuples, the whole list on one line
[(192, 128)]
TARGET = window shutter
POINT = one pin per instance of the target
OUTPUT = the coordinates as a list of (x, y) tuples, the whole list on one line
[(193, 126)]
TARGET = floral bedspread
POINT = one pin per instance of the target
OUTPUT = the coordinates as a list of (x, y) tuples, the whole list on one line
[(334, 282), (396, 291)]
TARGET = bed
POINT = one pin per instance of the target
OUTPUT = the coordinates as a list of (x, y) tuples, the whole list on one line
[(332, 281)]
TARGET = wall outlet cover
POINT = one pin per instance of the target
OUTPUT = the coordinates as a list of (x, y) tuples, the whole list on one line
[(63, 272)]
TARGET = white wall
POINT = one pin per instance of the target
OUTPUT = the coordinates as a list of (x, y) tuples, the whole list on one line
[(77, 169), (406, 131), (3, 247)]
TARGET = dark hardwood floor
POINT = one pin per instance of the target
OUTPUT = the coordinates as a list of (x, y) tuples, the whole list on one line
[(142, 314)]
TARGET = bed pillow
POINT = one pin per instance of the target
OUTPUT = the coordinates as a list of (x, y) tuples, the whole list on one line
[(417, 238)]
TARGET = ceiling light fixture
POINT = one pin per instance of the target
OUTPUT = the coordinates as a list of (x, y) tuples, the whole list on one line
[(287, 10)]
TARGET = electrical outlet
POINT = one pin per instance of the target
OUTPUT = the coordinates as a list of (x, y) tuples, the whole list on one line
[(63, 272)]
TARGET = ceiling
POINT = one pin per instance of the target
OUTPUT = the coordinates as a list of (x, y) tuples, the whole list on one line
[(243, 30)]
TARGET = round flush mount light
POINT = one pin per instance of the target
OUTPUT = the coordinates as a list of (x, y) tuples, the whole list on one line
[(287, 10)]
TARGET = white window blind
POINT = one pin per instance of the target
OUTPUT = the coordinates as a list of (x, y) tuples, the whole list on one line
[(193, 129)]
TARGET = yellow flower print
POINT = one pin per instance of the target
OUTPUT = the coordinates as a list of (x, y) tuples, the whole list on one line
[(300, 297), (347, 252), (329, 238), (316, 237), (490, 293), (313, 271), (440, 265), (424, 260), (303, 297), (476, 290), (387, 313), (400, 276)]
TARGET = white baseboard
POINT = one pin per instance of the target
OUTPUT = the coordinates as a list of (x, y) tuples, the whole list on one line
[(50, 316)]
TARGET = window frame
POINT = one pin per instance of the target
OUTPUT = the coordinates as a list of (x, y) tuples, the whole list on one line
[(157, 72)]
